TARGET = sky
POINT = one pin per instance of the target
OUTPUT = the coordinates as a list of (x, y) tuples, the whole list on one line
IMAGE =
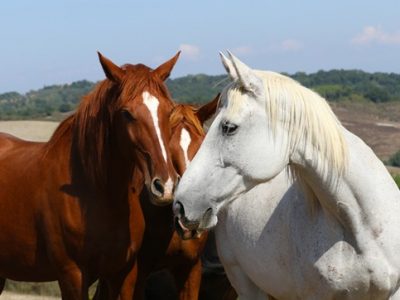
[(55, 41)]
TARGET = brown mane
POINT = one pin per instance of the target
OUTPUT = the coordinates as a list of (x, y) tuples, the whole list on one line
[(92, 121), (185, 113)]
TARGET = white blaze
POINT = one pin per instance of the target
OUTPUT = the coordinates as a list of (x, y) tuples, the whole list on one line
[(152, 104), (169, 186), (185, 142)]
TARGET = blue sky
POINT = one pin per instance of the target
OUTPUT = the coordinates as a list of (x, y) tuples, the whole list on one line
[(55, 41)]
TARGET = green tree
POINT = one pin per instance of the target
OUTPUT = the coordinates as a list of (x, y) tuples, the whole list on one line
[(334, 85), (376, 94)]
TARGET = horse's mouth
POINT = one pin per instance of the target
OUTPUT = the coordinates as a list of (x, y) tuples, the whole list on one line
[(160, 201), (186, 233)]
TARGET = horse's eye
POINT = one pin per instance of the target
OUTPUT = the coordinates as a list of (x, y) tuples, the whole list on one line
[(228, 128), (127, 115)]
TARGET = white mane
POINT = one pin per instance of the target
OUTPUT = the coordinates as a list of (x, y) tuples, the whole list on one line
[(307, 117)]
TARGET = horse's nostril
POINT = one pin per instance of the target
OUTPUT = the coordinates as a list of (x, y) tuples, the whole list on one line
[(208, 213), (178, 209), (158, 186)]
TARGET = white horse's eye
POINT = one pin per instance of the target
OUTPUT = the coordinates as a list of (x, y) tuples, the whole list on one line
[(228, 128)]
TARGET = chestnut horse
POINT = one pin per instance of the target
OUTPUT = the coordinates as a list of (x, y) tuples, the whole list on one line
[(187, 123), (162, 247), (187, 135), (69, 208)]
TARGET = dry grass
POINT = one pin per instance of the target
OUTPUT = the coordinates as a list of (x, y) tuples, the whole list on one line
[(377, 124), (13, 296), (394, 170), (29, 130)]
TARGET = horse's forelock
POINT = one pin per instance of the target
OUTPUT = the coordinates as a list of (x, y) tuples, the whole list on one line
[(185, 113), (140, 78)]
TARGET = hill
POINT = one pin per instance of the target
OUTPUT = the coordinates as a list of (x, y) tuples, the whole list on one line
[(377, 124), (335, 85), (51, 100), (338, 85), (367, 103)]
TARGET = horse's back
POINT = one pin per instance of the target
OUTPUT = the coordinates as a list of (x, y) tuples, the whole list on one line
[(19, 164)]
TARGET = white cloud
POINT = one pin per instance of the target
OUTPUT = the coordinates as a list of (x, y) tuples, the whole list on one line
[(190, 52), (372, 34), (242, 50), (291, 45), (288, 45)]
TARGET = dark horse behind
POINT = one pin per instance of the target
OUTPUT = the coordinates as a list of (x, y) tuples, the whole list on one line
[(192, 277), (162, 246), (69, 208)]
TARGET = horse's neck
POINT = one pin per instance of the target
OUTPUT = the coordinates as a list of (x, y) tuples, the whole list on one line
[(364, 197)]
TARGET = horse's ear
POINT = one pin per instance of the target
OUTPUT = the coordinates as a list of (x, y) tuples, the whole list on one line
[(163, 71), (112, 71), (246, 76), (206, 111), (230, 69)]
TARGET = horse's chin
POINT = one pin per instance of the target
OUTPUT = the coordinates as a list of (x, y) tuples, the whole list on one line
[(186, 233)]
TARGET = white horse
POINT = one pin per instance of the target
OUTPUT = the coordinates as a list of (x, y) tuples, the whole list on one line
[(333, 234)]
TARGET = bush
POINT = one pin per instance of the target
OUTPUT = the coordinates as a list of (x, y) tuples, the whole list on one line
[(376, 94), (65, 107), (395, 160)]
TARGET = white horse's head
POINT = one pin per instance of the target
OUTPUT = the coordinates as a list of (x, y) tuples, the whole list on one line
[(264, 118)]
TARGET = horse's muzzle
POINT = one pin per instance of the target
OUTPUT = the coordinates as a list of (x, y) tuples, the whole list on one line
[(184, 232), (185, 228), (163, 193)]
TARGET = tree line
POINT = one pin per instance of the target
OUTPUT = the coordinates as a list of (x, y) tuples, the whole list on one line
[(335, 85)]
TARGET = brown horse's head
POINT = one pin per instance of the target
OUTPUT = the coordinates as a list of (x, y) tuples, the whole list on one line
[(132, 121), (187, 135), (187, 131)]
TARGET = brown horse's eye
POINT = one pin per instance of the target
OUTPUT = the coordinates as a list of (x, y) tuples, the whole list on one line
[(127, 115)]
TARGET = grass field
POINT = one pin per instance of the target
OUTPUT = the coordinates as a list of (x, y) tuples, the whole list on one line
[(377, 124), (14, 296), (29, 130)]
